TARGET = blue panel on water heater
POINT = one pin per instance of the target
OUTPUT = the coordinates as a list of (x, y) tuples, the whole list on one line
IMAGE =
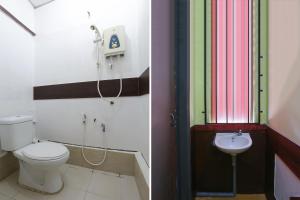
[(114, 41)]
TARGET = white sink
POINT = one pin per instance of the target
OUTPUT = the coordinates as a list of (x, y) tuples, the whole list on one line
[(232, 143)]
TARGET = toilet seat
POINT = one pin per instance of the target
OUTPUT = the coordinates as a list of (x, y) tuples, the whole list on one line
[(44, 151)]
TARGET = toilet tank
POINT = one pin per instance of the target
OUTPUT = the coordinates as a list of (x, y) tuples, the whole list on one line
[(16, 132)]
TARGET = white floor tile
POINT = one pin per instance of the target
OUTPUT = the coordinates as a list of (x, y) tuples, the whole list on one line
[(129, 190), (8, 189), (25, 194), (68, 194), (105, 186), (80, 184), (77, 177), (90, 196), (3, 197)]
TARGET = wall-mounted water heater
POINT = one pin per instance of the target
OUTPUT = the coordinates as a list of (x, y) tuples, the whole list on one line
[(114, 41)]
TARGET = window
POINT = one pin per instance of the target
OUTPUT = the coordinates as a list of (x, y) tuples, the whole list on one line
[(232, 63)]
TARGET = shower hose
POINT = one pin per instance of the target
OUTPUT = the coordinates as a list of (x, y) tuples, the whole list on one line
[(102, 97)]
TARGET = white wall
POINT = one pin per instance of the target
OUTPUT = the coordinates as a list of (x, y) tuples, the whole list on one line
[(64, 42), (284, 79), (65, 52), (286, 183), (16, 61), (22, 10), (126, 122)]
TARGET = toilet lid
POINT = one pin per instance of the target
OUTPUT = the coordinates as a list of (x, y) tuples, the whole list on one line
[(45, 151)]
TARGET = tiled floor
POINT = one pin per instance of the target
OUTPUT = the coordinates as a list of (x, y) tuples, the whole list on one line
[(80, 184), (238, 197)]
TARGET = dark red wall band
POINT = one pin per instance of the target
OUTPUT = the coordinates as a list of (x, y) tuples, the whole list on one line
[(229, 127), (109, 88), (288, 151)]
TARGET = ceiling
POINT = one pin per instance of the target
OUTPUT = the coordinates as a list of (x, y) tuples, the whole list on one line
[(39, 3)]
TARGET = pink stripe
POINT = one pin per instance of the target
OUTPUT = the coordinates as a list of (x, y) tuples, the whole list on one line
[(237, 59), (244, 61), (221, 61), (230, 60), (250, 62), (246, 68)]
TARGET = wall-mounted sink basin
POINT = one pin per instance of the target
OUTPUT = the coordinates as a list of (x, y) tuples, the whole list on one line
[(232, 143)]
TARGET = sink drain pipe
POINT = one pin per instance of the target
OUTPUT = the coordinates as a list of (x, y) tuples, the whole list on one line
[(223, 194)]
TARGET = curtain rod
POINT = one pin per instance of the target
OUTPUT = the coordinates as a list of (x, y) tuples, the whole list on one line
[(16, 20)]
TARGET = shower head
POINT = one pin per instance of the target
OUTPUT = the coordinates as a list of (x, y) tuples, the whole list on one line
[(98, 35), (94, 28)]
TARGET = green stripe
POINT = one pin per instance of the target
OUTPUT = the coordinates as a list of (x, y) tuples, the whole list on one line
[(264, 45), (256, 61), (198, 62)]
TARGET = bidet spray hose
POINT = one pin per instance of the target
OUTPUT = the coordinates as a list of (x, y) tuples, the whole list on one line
[(84, 145)]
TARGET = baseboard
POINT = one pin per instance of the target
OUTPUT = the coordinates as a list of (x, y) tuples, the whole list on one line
[(120, 162), (141, 174)]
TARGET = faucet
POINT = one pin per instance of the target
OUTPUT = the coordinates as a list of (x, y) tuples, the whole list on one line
[(236, 134), (103, 127), (239, 133)]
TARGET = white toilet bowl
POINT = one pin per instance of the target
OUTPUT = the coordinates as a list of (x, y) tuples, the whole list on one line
[(39, 162), (39, 166)]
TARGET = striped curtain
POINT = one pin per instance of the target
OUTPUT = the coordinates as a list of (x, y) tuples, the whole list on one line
[(233, 61)]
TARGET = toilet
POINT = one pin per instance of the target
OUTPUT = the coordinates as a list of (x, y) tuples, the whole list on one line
[(39, 161)]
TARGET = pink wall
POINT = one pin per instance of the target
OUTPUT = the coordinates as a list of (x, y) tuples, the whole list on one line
[(284, 82)]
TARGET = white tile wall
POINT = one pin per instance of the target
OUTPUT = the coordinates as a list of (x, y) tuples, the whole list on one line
[(65, 52), (16, 61)]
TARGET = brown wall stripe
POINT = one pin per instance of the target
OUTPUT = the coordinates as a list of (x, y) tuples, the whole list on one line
[(109, 88), (16, 20), (144, 82)]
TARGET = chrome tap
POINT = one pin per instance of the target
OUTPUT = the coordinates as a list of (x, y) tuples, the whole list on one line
[(103, 127), (236, 134), (239, 133)]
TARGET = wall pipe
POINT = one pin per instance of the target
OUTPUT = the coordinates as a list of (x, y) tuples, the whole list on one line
[(223, 194)]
